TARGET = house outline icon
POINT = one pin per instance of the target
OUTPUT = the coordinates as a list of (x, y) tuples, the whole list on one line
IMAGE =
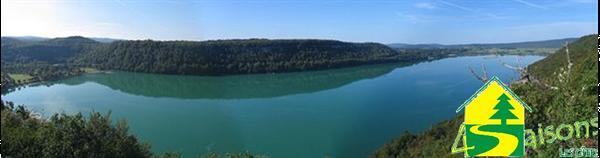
[(481, 106), (485, 86)]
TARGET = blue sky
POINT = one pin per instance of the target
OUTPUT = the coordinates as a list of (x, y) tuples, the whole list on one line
[(385, 21)]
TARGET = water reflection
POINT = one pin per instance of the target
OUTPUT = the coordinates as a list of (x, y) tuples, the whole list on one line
[(232, 87)]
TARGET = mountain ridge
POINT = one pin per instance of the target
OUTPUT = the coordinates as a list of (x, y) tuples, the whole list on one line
[(552, 43)]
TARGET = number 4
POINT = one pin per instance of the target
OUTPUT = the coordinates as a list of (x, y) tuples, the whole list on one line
[(461, 135)]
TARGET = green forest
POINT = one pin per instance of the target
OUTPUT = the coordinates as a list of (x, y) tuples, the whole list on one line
[(236, 56), (218, 57), (562, 89)]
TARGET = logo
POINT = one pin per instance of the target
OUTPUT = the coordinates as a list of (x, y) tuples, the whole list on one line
[(494, 122)]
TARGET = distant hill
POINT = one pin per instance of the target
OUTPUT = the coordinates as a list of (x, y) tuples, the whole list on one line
[(69, 41), (216, 57), (56, 50), (416, 46), (28, 38), (222, 57), (40, 39), (9, 41), (557, 43), (104, 40)]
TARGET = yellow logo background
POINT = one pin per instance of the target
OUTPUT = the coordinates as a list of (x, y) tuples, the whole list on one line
[(484, 134), (481, 108)]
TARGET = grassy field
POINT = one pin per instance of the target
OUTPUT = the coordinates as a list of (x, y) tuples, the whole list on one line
[(21, 78), (90, 70)]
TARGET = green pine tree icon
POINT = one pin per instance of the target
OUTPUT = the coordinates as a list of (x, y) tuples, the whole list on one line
[(503, 108)]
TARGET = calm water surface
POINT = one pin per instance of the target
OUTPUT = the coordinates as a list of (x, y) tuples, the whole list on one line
[(346, 112)]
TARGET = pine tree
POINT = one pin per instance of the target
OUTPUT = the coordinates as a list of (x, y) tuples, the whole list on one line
[(503, 108)]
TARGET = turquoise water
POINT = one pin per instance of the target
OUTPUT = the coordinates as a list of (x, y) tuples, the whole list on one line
[(346, 112)]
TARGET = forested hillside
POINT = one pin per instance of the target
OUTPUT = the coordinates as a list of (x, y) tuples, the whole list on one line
[(581, 54), (565, 94), (25, 61), (236, 56), (562, 95), (49, 59), (52, 51), (218, 57)]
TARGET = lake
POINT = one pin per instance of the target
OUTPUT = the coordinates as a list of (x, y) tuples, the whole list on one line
[(347, 112)]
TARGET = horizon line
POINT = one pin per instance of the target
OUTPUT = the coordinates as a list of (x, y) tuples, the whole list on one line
[(391, 43)]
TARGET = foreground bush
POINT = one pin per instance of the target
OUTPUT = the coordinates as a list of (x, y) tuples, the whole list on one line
[(66, 136)]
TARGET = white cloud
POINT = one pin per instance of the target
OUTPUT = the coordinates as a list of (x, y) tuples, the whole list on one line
[(425, 5), (531, 4), (412, 18), (477, 12), (584, 1), (457, 6)]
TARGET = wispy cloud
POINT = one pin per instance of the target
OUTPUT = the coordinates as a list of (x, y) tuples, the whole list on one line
[(475, 11), (585, 1), (531, 4), (425, 5), (457, 6), (412, 18)]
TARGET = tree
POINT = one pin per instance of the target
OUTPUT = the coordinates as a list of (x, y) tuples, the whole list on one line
[(503, 108), (66, 135)]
